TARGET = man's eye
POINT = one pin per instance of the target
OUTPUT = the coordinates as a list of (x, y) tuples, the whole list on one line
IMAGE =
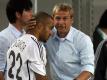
[(64, 18), (58, 18)]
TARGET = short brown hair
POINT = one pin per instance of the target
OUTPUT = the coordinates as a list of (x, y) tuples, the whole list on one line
[(63, 7)]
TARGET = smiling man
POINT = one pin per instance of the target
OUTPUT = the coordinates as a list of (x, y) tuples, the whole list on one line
[(70, 51)]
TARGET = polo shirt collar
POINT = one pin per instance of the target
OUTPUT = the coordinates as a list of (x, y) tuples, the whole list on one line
[(69, 36)]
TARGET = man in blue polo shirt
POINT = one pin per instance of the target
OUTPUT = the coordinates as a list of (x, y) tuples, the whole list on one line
[(69, 51)]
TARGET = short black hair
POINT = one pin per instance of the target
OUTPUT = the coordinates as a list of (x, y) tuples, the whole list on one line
[(14, 6), (39, 17), (103, 20), (42, 17)]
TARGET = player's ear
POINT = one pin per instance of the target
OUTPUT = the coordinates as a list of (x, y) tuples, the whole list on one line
[(40, 26)]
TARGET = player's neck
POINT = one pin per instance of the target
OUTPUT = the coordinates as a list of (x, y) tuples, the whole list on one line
[(18, 26), (36, 34)]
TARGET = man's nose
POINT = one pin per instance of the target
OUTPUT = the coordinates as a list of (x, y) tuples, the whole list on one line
[(61, 20)]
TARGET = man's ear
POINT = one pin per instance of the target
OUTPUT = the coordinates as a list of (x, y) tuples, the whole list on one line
[(40, 26), (18, 15)]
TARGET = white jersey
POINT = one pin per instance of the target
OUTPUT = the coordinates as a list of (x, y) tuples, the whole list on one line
[(25, 57)]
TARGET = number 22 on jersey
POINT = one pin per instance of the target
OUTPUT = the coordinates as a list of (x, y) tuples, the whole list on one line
[(15, 58)]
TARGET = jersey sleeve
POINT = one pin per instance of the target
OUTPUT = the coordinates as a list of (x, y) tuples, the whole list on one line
[(36, 62)]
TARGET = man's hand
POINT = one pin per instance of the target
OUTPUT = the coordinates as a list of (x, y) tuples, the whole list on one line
[(30, 25), (1, 76), (40, 77), (85, 75)]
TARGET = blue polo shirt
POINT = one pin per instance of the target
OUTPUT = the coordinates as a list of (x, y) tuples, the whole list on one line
[(69, 56)]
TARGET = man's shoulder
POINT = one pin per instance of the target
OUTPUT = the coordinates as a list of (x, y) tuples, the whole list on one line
[(77, 31), (79, 34), (5, 32), (105, 43), (102, 46), (6, 35), (29, 39)]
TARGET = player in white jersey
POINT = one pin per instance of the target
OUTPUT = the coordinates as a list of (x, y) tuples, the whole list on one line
[(26, 58)]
